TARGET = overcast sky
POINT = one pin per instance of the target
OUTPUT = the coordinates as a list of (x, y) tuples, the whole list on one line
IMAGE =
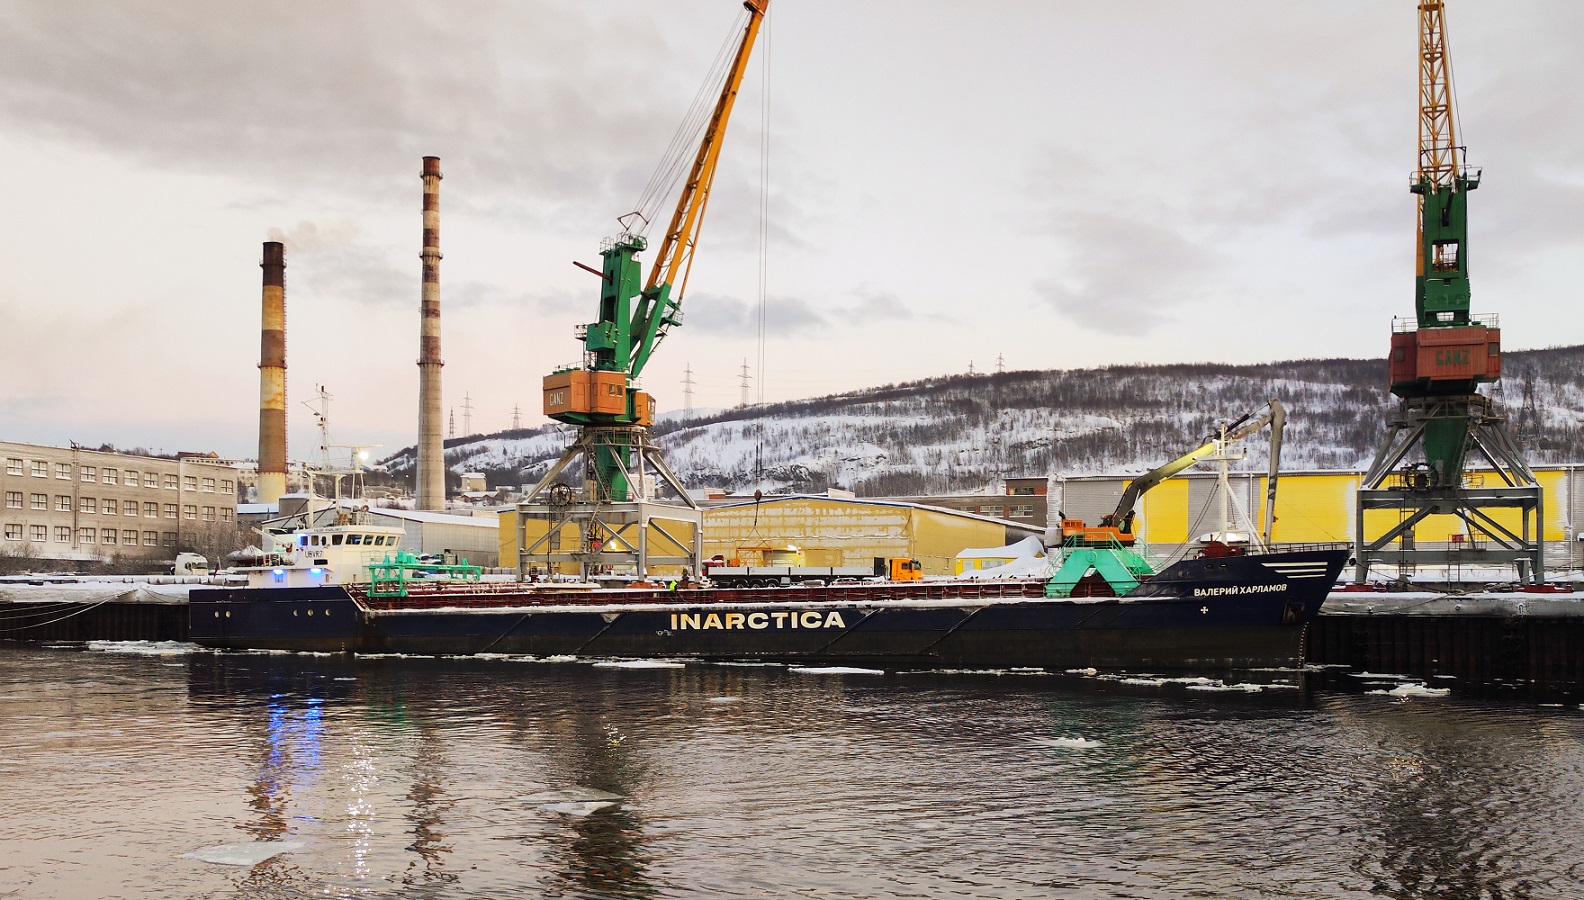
[(1060, 184)]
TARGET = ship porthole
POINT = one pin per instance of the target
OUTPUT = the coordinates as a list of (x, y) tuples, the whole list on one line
[(217, 614), (294, 612), (228, 614), (310, 612), (327, 612)]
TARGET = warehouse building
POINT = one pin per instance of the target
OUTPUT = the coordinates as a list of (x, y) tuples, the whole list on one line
[(826, 531), (1314, 507), (68, 503)]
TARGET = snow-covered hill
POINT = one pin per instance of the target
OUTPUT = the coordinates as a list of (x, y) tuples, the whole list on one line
[(963, 433)]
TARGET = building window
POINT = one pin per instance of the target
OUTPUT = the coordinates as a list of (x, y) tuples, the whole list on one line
[(208, 485), (40, 468), (170, 510), (168, 539), (1022, 512), (189, 511), (87, 535), (190, 483), (14, 499), (13, 466), (38, 533), (225, 514), (109, 536), (226, 485), (63, 534), (87, 505), (111, 507), (38, 501), (150, 538), (151, 511), (129, 537), (111, 476), (63, 503), (132, 478), (90, 474), (208, 514), (170, 482), (63, 471), (13, 532), (150, 479)]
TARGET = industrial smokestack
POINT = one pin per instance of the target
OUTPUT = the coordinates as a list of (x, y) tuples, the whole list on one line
[(431, 451), (272, 377)]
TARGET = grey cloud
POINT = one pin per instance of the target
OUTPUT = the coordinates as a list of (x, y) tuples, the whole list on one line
[(718, 314), (325, 94), (1126, 274)]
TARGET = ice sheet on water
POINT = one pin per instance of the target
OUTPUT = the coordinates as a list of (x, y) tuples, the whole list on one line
[(725, 699), (578, 800), (1089, 671), (1069, 743), (638, 664), (835, 670), (249, 854), (577, 809), (1414, 689), (577, 793), (147, 648)]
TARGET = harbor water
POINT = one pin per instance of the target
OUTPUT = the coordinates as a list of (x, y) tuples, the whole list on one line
[(162, 770)]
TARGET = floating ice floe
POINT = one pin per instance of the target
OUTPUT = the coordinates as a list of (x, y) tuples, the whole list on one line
[(249, 854), (1404, 691), (638, 664), (1072, 743), (1089, 671), (147, 648), (725, 699), (578, 809), (835, 670), (577, 800)]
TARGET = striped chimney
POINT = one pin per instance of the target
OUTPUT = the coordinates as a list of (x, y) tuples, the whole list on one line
[(431, 450), (272, 377)]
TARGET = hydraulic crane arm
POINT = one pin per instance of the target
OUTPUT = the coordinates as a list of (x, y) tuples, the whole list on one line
[(1275, 416), (660, 304)]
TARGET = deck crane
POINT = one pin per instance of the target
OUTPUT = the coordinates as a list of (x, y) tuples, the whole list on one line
[(1439, 358), (599, 394), (1106, 550)]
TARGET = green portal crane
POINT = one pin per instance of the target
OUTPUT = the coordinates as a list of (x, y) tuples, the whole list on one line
[(1439, 358), (635, 315)]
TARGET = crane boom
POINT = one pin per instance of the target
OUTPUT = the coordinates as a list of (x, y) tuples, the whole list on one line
[(1232, 433)]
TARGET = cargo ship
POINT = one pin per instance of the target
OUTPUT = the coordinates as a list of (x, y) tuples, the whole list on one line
[(1244, 610)]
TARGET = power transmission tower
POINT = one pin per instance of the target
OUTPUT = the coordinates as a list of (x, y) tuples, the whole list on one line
[(687, 393), (970, 367), (1000, 364), (452, 429), (516, 416), (467, 415), (743, 401)]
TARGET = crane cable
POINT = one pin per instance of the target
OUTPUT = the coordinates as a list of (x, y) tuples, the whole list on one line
[(679, 154), (764, 203)]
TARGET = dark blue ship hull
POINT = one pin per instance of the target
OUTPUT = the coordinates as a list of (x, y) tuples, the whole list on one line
[(1236, 612)]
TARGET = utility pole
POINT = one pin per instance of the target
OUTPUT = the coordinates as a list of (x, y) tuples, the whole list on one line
[(743, 401), (687, 393)]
